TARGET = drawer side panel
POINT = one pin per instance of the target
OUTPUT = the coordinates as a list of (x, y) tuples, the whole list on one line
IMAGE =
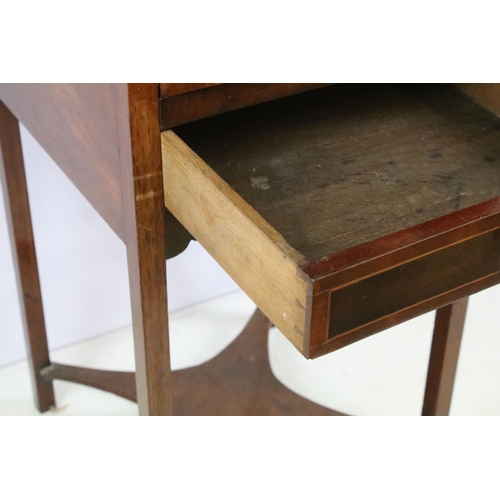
[(238, 238)]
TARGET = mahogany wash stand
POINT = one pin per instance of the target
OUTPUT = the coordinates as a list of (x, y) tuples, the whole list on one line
[(341, 210)]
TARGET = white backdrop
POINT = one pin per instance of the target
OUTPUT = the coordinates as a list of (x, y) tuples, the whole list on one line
[(82, 265)]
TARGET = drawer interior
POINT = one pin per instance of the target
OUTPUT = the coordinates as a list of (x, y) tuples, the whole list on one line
[(345, 184)]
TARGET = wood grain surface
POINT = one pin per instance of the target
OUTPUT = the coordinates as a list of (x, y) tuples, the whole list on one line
[(171, 89), (142, 186), (240, 381), (187, 107), (237, 382), (237, 237), (446, 340), (413, 282), (120, 383), (77, 126), (342, 166)]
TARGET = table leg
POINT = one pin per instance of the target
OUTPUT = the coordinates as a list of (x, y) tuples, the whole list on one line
[(19, 222), (443, 361), (143, 207)]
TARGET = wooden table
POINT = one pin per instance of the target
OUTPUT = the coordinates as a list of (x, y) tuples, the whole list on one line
[(341, 210)]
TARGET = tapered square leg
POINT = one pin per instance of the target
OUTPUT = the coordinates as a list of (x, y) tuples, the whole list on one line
[(448, 329), (15, 192), (143, 215)]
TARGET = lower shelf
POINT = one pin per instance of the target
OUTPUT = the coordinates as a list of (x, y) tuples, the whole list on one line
[(239, 381)]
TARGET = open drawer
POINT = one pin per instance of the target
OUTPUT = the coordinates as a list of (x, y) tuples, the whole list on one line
[(346, 210)]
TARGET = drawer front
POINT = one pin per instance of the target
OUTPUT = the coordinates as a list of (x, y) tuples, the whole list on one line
[(413, 283)]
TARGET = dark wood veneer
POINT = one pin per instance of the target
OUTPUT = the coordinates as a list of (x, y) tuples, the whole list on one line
[(77, 126), (414, 282), (345, 165), (446, 340), (171, 89), (239, 381), (190, 106), (13, 180), (388, 194), (142, 191)]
